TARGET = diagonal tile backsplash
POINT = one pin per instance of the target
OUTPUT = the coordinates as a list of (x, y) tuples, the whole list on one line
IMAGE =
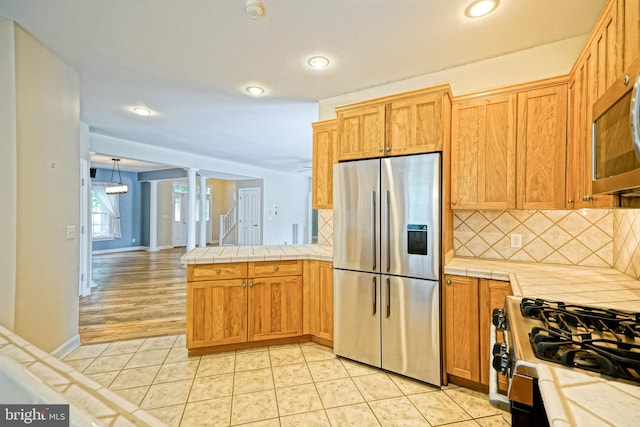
[(626, 241), (325, 227), (583, 237)]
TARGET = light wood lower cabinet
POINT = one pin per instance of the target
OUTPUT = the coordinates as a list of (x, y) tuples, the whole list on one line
[(243, 304), (469, 303), (216, 313), (318, 299), (275, 307)]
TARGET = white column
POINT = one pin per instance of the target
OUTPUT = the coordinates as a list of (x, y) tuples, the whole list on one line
[(153, 216), (203, 223), (191, 209)]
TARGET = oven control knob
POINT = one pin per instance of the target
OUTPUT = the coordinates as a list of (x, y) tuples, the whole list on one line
[(499, 319), (500, 358)]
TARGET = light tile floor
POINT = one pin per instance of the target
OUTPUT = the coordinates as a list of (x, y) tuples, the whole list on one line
[(290, 385)]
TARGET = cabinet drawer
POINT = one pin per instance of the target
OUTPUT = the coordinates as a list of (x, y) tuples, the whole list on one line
[(275, 268), (231, 270)]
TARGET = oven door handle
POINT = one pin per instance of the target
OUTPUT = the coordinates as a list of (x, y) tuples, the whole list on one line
[(495, 398)]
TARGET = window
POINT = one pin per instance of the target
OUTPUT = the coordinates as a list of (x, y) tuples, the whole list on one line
[(105, 213)]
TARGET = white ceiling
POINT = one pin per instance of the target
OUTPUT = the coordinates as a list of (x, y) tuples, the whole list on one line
[(190, 60)]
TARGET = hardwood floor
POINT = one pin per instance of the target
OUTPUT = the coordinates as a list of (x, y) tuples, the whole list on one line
[(139, 294)]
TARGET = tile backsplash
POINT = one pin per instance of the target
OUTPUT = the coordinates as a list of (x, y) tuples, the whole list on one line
[(589, 237), (325, 227), (580, 237), (626, 241)]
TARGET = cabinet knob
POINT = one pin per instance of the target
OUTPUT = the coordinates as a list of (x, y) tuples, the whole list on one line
[(586, 198), (627, 79), (244, 285), (448, 281), (570, 201), (379, 149), (275, 268), (453, 202), (217, 271), (251, 285), (388, 149)]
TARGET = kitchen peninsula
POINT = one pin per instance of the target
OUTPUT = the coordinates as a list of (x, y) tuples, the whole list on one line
[(252, 296)]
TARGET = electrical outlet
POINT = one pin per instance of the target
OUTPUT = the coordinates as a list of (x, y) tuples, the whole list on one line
[(516, 240), (133, 240)]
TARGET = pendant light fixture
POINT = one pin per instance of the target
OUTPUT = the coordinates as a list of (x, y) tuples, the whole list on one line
[(119, 187)]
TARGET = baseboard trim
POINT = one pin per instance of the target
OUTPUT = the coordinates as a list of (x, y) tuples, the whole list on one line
[(111, 251), (67, 347)]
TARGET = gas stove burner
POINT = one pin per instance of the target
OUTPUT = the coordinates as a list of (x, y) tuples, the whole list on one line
[(559, 316), (608, 357)]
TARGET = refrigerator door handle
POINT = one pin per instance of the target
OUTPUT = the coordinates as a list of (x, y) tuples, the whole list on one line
[(373, 230), (388, 228), (373, 296), (388, 297)]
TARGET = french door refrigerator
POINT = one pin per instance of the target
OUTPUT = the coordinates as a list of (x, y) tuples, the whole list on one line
[(387, 264)]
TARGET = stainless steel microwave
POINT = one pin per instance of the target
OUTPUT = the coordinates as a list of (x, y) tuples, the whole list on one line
[(616, 136)]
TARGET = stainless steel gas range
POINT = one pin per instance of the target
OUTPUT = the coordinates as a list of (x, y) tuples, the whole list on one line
[(598, 341)]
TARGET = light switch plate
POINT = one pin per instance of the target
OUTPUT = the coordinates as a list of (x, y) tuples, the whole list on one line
[(71, 231)]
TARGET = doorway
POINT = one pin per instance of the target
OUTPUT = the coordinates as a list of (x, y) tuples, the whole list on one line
[(249, 227)]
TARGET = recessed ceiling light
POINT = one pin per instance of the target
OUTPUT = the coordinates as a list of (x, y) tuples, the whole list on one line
[(141, 111), (254, 90), (318, 62), (481, 8)]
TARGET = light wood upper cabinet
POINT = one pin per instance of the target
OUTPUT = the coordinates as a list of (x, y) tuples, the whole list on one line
[(275, 307), (361, 132), (581, 97), (631, 31), (407, 123), (483, 153), (541, 148), (325, 136), (607, 47), (417, 124)]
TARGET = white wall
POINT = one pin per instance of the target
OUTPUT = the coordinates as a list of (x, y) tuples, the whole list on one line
[(48, 170), (551, 60), (288, 191), (8, 175), (165, 213)]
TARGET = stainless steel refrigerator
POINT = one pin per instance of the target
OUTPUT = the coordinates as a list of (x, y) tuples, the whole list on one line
[(387, 264)]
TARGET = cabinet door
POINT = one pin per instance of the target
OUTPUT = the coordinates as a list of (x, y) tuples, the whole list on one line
[(324, 140), (541, 148), (607, 49), (361, 133), (492, 295), (483, 154), (416, 125), (631, 31), (216, 313), (275, 307), (318, 299), (461, 327)]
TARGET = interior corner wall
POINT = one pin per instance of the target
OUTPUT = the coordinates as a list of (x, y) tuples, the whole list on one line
[(8, 175), (48, 196)]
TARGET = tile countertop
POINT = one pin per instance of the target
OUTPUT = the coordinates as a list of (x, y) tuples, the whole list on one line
[(213, 255), (106, 406), (571, 397)]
